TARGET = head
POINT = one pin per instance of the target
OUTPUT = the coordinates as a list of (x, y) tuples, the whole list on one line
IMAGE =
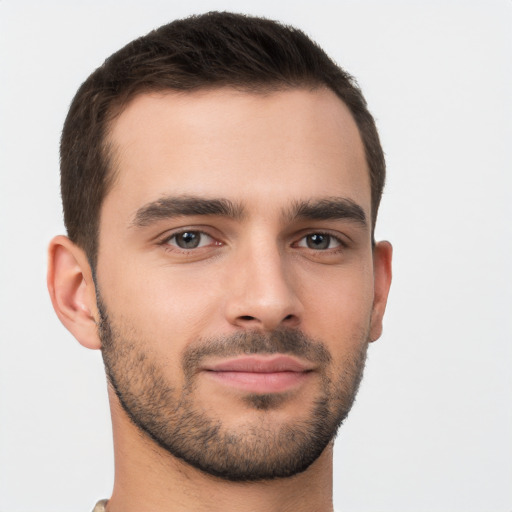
[(221, 178)]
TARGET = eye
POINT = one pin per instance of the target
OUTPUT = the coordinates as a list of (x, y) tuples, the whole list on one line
[(319, 242), (190, 240)]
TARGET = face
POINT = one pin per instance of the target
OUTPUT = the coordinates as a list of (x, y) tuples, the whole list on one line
[(236, 275)]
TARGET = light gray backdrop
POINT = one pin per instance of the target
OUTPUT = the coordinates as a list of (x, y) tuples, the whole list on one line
[(432, 426)]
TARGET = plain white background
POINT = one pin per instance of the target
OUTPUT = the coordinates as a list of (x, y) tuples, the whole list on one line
[(432, 426)]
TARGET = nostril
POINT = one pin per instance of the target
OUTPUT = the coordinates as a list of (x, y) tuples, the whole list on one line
[(288, 317), (247, 317)]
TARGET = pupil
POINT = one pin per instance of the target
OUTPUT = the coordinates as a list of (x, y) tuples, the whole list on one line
[(318, 241), (188, 240)]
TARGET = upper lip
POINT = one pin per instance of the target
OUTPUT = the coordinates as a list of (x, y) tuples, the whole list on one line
[(260, 364)]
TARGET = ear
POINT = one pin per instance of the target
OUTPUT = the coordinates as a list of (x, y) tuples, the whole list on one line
[(72, 291), (382, 255)]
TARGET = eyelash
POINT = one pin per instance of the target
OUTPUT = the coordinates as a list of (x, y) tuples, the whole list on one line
[(175, 247), (341, 243)]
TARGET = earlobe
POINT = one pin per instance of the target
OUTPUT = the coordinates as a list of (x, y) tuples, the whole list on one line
[(382, 256), (72, 290)]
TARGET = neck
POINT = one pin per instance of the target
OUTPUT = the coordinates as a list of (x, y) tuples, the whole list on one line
[(149, 478)]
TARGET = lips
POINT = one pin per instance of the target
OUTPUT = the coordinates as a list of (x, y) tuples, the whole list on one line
[(260, 374)]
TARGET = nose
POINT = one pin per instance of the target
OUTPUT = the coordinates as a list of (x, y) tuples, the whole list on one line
[(261, 293)]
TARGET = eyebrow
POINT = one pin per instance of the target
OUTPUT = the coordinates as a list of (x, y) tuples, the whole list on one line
[(181, 206), (327, 209)]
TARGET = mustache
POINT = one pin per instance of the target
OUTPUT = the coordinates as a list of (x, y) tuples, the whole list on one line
[(280, 341)]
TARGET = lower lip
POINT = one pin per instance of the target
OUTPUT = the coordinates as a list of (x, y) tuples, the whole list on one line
[(273, 382)]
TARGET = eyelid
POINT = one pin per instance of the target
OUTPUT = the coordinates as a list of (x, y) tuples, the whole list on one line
[(201, 243), (332, 238), (166, 237), (343, 240)]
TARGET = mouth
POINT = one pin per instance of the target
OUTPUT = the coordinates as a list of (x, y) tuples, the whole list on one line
[(260, 374)]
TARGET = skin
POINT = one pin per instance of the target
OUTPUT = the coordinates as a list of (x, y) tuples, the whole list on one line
[(255, 270)]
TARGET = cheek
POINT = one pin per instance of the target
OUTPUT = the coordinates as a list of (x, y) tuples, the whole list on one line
[(165, 306), (338, 306)]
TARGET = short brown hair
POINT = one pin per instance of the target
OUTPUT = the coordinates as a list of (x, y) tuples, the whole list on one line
[(206, 51)]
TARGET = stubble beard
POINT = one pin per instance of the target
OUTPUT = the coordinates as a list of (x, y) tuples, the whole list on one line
[(254, 451)]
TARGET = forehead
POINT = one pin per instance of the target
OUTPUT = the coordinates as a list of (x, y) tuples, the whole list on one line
[(252, 148)]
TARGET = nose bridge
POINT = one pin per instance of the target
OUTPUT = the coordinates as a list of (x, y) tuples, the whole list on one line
[(262, 293)]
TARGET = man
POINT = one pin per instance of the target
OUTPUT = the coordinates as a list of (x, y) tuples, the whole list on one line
[(221, 178)]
